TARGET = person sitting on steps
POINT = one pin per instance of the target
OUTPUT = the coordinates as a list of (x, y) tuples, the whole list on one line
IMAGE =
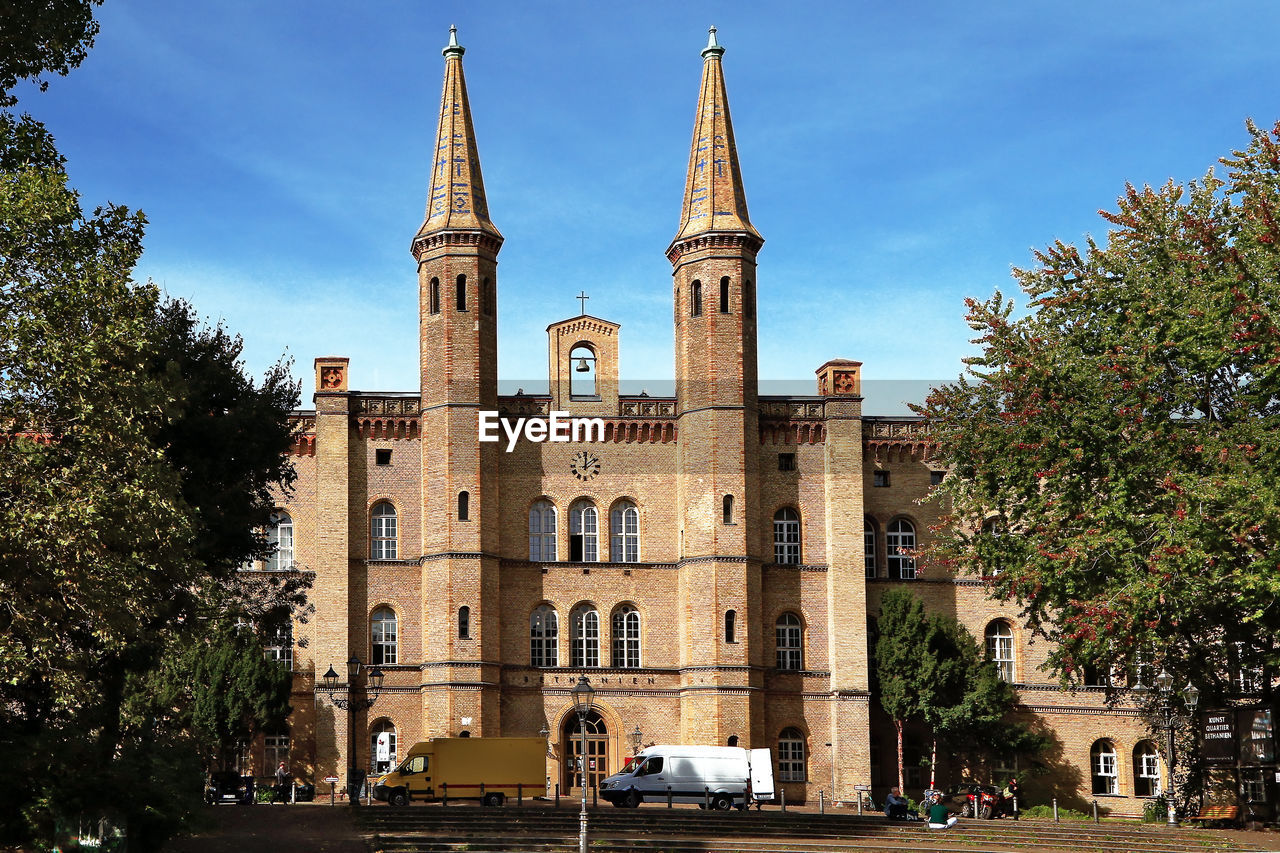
[(895, 806)]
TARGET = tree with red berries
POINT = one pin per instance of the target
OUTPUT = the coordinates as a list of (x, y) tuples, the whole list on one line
[(1115, 446)]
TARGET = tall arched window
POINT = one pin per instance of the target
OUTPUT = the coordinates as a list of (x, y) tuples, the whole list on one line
[(624, 529), (789, 641), (461, 293), (748, 298), (544, 637), (583, 532), (1146, 769), (583, 373), (382, 532), (626, 637), (695, 298), (786, 537), (901, 540), (585, 641), (383, 639), (727, 509), (434, 296), (724, 295), (731, 626), (1102, 760), (382, 730), (280, 537), (1000, 648), (464, 622), (486, 296), (464, 506), (869, 547), (791, 756), (542, 532)]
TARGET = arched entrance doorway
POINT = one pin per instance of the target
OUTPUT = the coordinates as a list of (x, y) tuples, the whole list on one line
[(597, 763)]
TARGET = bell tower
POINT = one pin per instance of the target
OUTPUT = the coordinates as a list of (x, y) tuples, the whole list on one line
[(456, 250), (713, 257)]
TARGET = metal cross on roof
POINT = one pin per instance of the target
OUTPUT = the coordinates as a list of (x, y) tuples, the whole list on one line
[(582, 297)]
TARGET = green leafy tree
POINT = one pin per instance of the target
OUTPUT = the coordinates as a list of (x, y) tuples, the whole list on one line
[(42, 36), (901, 632), (1124, 433)]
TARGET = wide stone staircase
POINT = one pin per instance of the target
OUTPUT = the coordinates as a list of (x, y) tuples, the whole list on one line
[(656, 829)]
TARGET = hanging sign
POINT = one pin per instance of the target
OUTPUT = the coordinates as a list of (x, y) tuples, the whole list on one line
[(1219, 737)]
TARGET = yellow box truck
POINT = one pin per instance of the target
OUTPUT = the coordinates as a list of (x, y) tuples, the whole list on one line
[(489, 769)]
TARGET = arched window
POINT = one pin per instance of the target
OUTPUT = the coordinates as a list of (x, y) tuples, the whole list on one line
[(464, 506), (382, 637), (789, 641), (869, 547), (1102, 760), (583, 532), (724, 295), (464, 623), (544, 637), (1000, 648), (901, 540), (731, 626), (382, 731), (791, 756), (434, 296), (786, 537), (748, 298), (1146, 770), (582, 373), (486, 288), (542, 532), (280, 537), (727, 508), (461, 293), (624, 528), (626, 637), (695, 298), (382, 532), (585, 642)]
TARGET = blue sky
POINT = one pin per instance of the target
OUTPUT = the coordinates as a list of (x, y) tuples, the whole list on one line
[(897, 157)]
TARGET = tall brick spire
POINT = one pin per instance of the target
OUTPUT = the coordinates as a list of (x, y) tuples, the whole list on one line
[(456, 201), (714, 201)]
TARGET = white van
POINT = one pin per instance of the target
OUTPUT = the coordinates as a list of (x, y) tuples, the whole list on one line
[(724, 776)]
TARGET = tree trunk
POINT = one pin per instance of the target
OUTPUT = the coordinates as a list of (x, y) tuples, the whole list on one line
[(933, 763), (901, 784)]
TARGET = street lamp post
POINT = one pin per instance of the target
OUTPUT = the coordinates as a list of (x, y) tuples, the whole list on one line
[(354, 703), (636, 738), (582, 695), (1171, 719)]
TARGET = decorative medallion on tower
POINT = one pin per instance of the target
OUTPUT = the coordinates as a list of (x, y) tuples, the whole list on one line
[(585, 465), (331, 373)]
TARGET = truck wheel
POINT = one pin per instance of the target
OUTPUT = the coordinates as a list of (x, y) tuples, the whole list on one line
[(722, 802), (398, 797), (986, 813), (633, 799), (493, 800)]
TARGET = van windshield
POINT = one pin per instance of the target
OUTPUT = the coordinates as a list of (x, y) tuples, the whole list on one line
[(629, 766)]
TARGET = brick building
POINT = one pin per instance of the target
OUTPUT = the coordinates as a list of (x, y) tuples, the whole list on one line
[(710, 562)]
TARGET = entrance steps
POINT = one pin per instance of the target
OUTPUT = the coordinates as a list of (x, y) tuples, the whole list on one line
[(538, 828)]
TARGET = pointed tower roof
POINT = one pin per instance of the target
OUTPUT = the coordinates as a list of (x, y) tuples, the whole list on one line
[(714, 201), (456, 201)]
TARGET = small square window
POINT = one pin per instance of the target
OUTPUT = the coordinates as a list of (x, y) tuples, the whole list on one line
[(382, 457), (880, 479), (935, 477), (786, 462)]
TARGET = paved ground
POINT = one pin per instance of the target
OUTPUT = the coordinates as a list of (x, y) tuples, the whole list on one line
[(321, 828), (298, 828)]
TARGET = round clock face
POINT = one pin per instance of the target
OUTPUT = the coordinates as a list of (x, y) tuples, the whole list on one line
[(584, 465)]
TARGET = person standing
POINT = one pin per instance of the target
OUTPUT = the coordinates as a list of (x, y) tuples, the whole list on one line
[(282, 781)]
